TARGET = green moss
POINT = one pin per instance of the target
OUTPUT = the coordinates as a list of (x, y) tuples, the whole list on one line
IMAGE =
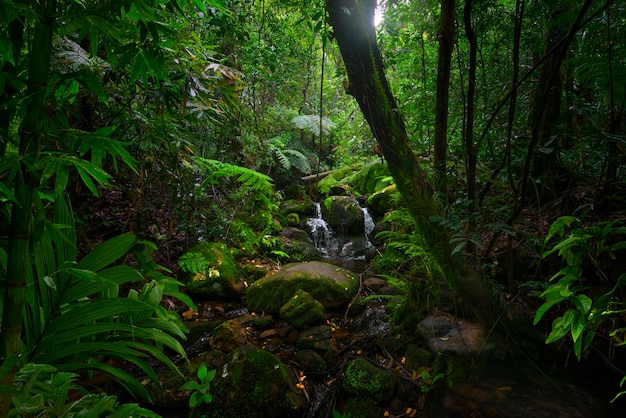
[(253, 383), (365, 379)]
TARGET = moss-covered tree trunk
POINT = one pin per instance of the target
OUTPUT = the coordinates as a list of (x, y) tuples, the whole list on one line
[(354, 30)]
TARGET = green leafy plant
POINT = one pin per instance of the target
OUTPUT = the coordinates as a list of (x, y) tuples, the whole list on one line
[(200, 390), (580, 247), (76, 317), (43, 391), (428, 381)]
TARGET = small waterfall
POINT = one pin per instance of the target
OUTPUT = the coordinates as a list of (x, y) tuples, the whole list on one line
[(368, 224), (320, 232)]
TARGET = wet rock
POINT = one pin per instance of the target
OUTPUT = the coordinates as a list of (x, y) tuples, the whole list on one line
[(317, 339), (228, 336), (375, 283), (293, 219), (343, 214), (300, 251), (383, 201), (302, 310), (332, 286), (253, 383), (295, 234), (365, 379), (310, 362), (447, 335), (303, 207), (211, 273)]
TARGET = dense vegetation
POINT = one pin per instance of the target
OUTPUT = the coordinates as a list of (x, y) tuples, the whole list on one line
[(130, 131)]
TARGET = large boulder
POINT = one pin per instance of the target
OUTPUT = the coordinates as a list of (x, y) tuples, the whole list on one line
[(211, 273), (253, 383), (343, 214), (331, 285)]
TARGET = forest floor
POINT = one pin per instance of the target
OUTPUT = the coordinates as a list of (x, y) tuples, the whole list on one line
[(151, 215)]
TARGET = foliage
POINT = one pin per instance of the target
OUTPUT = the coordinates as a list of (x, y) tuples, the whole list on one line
[(42, 390), (200, 390), (582, 247), (76, 316), (314, 124)]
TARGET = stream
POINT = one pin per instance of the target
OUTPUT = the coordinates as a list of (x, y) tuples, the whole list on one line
[(506, 385)]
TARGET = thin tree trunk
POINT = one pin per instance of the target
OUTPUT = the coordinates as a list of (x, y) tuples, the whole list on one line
[(470, 151), (353, 23), (446, 38), (20, 229)]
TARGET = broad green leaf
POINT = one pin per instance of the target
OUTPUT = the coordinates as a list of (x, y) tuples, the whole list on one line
[(559, 330), (544, 308), (578, 326), (108, 252)]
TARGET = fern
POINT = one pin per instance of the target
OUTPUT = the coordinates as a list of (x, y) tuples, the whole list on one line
[(311, 123), (218, 170)]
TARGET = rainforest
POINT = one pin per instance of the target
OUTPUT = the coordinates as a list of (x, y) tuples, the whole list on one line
[(321, 208)]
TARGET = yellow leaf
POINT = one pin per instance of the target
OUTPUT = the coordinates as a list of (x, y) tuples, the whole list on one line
[(504, 388)]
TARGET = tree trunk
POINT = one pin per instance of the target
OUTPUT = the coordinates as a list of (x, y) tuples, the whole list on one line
[(446, 38), (354, 30), (470, 151), (20, 229)]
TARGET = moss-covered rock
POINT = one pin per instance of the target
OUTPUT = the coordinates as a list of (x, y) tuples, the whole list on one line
[(302, 310), (331, 285), (384, 200), (364, 379), (253, 383), (228, 336), (293, 219), (299, 251), (310, 362), (303, 207), (343, 214), (211, 273)]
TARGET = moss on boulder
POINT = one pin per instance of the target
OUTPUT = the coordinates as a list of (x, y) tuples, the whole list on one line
[(343, 214), (211, 273), (253, 383), (364, 379), (302, 310), (332, 286)]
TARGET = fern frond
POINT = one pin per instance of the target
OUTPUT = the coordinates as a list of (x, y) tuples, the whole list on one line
[(298, 160), (218, 170), (312, 124)]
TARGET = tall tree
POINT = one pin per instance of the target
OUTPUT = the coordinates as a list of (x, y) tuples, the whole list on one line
[(354, 30), (446, 45)]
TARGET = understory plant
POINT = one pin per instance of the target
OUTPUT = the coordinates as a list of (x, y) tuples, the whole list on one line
[(94, 315), (587, 253)]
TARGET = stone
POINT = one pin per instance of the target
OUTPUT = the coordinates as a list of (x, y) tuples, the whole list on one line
[(303, 207), (343, 214), (253, 383), (384, 200), (211, 273), (453, 336), (293, 219), (317, 339), (367, 380), (228, 336), (302, 310), (332, 286), (310, 362)]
